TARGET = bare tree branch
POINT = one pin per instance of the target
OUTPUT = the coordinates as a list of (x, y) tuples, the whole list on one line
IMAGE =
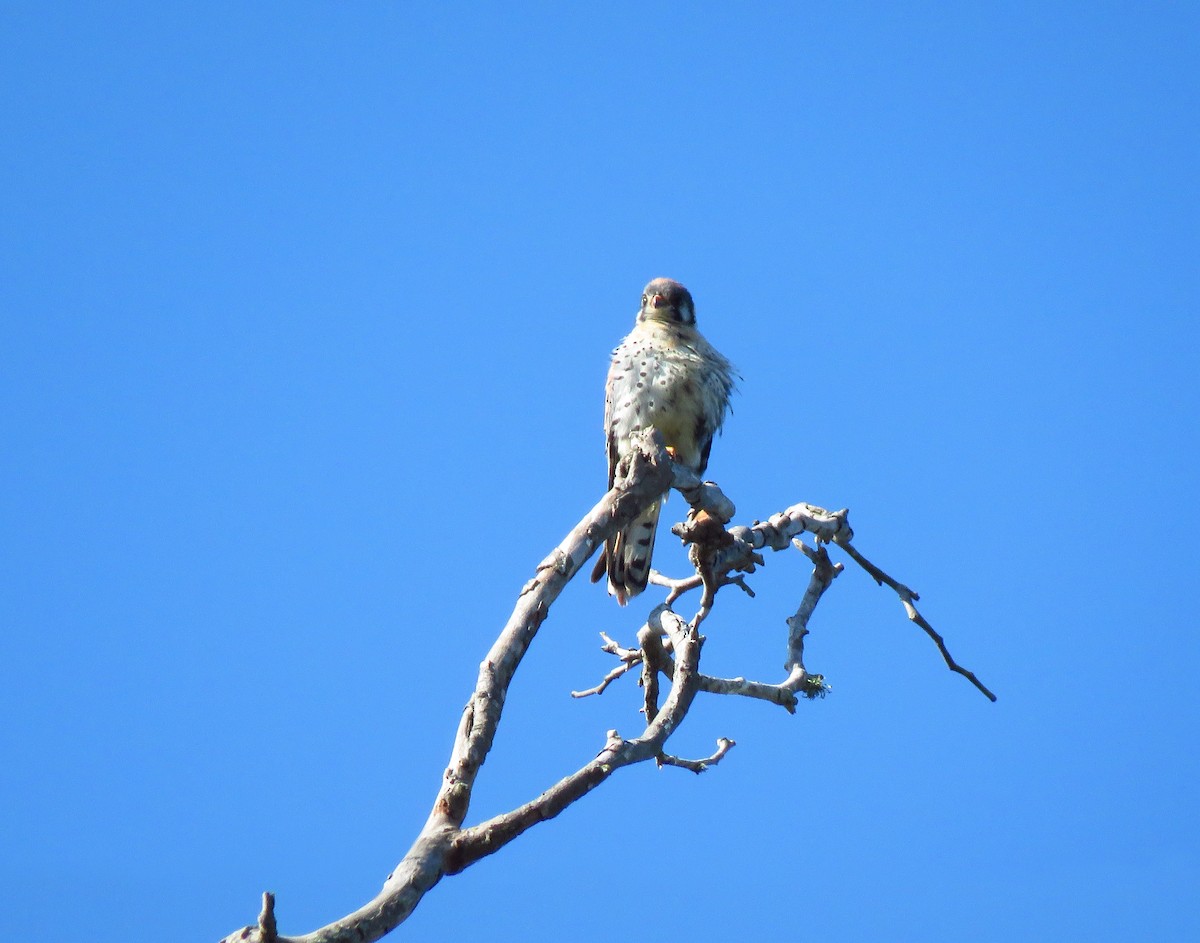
[(668, 647), (646, 477)]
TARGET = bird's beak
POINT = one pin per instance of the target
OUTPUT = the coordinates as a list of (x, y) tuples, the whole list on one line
[(657, 301)]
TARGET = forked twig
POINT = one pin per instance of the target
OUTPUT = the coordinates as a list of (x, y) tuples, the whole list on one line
[(629, 658)]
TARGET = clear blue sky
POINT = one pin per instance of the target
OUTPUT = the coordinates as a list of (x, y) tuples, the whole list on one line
[(306, 314)]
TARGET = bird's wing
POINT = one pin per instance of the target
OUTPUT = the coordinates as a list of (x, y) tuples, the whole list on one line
[(610, 440)]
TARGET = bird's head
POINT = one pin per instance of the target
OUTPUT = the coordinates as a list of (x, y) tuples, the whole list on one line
[(667, 300)]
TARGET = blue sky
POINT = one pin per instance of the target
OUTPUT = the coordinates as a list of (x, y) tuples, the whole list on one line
[(307, 310)]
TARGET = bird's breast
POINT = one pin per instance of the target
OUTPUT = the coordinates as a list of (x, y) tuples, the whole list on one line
[(660, 382)]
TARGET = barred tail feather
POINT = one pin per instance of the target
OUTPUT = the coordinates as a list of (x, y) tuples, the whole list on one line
[(628, 555)]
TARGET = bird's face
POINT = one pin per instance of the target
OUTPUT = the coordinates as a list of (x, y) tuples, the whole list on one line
[(668, 301)]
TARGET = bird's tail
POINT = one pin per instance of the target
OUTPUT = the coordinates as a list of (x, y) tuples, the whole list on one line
[(627, 556)]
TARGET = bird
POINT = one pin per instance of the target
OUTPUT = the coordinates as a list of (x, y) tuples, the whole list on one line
[(664, 375)]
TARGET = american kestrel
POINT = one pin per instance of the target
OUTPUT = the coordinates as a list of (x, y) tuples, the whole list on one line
[(665, 375)]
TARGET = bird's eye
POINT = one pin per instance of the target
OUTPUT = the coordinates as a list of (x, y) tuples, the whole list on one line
[(644, 300)]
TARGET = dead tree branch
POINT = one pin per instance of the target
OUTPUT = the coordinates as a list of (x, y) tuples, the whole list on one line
[(823, 574), (668, 647), (438, 849)]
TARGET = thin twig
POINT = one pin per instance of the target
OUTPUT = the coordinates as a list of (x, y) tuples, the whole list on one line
[(907, 596), (629, 657), (724, 745)]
